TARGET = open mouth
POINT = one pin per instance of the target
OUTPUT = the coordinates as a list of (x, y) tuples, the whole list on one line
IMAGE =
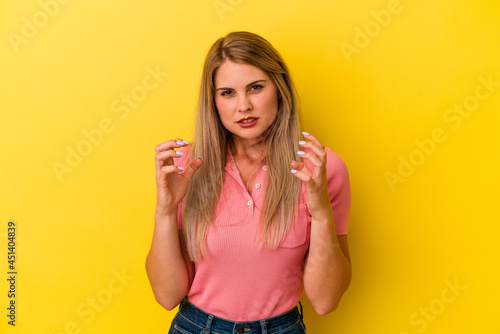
[(247, 122)]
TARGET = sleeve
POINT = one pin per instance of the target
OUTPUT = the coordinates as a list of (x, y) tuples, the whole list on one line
[(182, 162), (339, 190)]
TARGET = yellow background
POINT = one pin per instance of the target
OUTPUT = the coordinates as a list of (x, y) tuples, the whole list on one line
[(79, 232)]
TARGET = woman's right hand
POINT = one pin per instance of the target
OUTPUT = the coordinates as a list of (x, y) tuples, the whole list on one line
[(171, 181)]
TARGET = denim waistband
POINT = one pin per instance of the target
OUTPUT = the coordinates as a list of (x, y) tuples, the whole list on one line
[(208, 321)]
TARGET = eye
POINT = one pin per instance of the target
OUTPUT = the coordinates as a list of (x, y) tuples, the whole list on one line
[(257, 87), (226, 93)]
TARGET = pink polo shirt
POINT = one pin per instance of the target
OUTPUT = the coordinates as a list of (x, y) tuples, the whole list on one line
[(239, 283)]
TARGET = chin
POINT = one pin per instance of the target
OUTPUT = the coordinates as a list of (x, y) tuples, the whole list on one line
[(248, 135)]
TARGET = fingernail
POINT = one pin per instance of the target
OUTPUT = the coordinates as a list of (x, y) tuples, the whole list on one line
[(179, 153), (301, 152), (180, 168), (302, 142), (305, 133), (180, 142), (185, 142), (291, 161), (200, 158), (293, 171)]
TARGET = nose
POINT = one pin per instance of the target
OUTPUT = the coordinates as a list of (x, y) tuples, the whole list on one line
[(244, 103)]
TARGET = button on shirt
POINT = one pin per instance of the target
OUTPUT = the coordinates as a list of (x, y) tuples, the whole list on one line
[(237, 281)]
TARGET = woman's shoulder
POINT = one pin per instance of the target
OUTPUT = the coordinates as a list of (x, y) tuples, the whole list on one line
[(337, 174), (339, 190), (334, 162)]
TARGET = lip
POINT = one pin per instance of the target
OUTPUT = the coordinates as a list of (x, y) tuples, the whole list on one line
[(248, 124), (247, 118)]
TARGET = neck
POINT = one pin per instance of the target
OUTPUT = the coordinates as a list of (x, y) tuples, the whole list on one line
[(253, 151)]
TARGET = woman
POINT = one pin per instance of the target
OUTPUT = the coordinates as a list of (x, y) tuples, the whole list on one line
[(251, 214)]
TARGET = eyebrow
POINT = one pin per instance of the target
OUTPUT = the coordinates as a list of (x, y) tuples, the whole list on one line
[(250, 84)]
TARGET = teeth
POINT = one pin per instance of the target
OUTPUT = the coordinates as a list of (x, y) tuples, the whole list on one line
[(248, 120)]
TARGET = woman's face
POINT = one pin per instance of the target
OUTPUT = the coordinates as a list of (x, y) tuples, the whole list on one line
[(246, 99)]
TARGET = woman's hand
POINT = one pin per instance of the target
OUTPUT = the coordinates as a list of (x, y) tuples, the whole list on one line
[(171, 181), (318, 200)]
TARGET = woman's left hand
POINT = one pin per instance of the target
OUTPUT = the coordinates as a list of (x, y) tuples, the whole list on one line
[(318, 200)]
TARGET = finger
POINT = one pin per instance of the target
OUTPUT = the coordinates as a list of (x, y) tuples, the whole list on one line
[(302, 175), (166, 170), (165, 158), (316, 162), (318, 150), (170, 144), (313, 139), (300, 166), (192, 168), (161, 157)]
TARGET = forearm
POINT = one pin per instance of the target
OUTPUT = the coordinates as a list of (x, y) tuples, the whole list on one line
[(165, 265), (327, 271)]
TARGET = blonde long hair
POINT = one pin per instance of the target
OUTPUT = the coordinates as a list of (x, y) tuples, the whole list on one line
[(211, 140)]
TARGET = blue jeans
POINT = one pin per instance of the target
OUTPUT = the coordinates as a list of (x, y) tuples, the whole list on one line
[(192, 320)]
